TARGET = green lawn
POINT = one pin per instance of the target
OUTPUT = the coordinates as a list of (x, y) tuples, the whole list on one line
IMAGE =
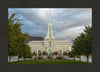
[(49, 62)]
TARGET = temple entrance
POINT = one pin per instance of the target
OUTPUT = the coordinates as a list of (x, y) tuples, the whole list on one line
[(49, 52)]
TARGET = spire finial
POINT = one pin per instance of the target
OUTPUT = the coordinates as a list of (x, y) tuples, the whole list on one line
[(49, 16)]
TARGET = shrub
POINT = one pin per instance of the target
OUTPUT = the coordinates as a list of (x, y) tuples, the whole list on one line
[(34, 53), (59, 58), (40, 58), (55, 53), (44, 53), (49, 57)]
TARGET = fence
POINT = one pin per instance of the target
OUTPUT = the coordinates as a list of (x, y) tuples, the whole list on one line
[(15, 58)]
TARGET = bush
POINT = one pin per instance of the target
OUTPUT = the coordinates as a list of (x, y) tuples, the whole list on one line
[(59, 58), (44, 53), (49, 57), (34, 53), (40, 58)]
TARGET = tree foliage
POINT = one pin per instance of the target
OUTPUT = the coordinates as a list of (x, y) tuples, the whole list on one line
[(82, 45), (16, 39)]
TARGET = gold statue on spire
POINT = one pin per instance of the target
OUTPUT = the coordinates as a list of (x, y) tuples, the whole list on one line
[(49, 16)]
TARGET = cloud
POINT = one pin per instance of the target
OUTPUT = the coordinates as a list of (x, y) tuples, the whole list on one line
[(67, 23), (70, 33)]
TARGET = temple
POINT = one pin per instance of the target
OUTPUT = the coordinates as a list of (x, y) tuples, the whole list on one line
[(50, 44)]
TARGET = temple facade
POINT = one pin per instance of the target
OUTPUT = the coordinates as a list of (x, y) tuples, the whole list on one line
[(49, 44)]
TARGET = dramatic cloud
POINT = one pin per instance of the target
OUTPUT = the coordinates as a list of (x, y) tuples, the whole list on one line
[(67, 22)]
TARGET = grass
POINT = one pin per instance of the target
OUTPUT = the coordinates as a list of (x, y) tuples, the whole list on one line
[(49, 62)]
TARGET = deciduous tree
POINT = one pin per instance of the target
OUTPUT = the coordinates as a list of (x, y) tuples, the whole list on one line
[(16, 39)]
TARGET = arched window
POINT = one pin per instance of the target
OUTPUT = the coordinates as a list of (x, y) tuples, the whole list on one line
[(39, 52)]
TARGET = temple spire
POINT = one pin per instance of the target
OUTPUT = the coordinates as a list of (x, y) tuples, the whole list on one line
[(50, 33)]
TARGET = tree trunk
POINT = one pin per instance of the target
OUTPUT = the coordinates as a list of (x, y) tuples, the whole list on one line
[(80, 57), (87, 58)]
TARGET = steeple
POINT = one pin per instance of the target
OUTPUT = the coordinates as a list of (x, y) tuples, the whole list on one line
[(49, 34)]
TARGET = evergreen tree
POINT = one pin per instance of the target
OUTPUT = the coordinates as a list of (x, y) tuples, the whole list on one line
[(83, 43)]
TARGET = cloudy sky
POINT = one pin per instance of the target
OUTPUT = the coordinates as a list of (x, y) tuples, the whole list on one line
[(67, 23)]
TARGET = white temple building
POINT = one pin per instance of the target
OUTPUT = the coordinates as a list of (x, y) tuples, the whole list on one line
[(50, 44)]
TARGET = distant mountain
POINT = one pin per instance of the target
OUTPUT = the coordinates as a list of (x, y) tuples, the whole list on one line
[(34, 39)]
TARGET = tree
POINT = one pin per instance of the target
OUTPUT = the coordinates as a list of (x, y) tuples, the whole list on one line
[(23, 50), (83, 43), (11, 36), (72, 54), (16, 39), (88, 41)]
